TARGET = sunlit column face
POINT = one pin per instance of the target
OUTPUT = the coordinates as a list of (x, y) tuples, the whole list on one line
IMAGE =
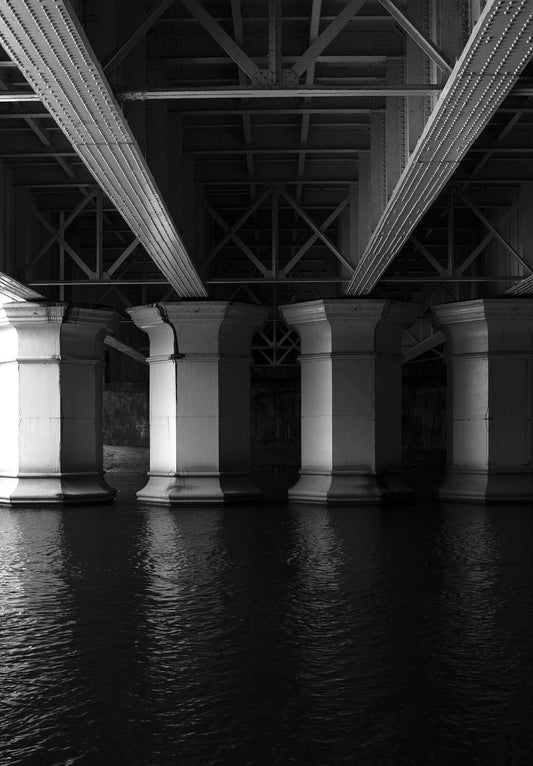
[(9, 417)]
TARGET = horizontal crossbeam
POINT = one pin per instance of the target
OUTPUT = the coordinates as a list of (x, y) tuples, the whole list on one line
[(312, 91)]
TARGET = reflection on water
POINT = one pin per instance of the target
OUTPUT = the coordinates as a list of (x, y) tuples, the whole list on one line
[(266, 635)]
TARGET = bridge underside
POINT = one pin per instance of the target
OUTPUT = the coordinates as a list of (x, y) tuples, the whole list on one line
[(270, 154)]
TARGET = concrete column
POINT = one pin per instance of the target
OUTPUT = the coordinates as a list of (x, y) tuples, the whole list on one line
[(351, 398), (489, 399), (51, 376), (199, 400)]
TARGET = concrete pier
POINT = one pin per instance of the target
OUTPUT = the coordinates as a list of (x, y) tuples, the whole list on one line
[(51, 378), (351, 399), (490, 357), (199, 401)]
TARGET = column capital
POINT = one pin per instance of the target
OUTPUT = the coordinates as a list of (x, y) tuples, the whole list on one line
[(348, 324), (54, 331), (25, 312), (486, 325), (347, 308), (202, 326), (482, 309), (192, 311)]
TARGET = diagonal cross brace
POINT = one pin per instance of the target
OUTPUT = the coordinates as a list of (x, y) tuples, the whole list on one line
[(313, 238), (139, 33), (238, 241), (484, 242), (328, 35), (320, 234), (236, 226), (495, 232), (227, 43), (58, 237), (420, 39), (427, 255)]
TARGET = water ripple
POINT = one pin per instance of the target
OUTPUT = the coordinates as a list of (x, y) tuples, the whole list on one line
[(140, 635)]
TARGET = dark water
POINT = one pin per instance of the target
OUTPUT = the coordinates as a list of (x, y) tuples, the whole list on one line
[(266, 635)]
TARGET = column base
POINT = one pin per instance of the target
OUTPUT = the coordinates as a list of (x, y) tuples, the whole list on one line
[(486, 487), (349, 488), (199, 489), (66, 489)]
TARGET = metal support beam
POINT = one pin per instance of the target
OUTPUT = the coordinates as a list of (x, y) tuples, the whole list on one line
[(423, 346), (236, 226), (361, 91), (218, 34), (450, 233), (327, 36), (64, 246), (427, 255), (57, 234), (11, 290), (141, 31), (238, 241), (99, 270), (122, 257), (275, 233), (311, 241), (274, 40), (50, 48), (488, 68), (61, 259), (118, 345), (484, 242), (296, 149), (17, 96), (236, 15), (495, 233), (320, 234), (420, 39)]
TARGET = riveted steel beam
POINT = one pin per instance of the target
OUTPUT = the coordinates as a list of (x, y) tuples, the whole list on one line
[(46, 41), (11, 290), (489, 66)]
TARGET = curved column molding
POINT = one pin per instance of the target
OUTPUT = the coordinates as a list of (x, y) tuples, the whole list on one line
[(490, 357), (351, 398), (199, 400), (51, 378)]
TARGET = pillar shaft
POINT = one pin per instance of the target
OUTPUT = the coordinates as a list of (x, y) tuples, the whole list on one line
[(489, 399), (199, 400), (51, 377), (351, 398)]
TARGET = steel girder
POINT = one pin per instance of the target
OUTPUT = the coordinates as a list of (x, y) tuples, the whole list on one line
[(499, 47), (46, 41), (13, 291)]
